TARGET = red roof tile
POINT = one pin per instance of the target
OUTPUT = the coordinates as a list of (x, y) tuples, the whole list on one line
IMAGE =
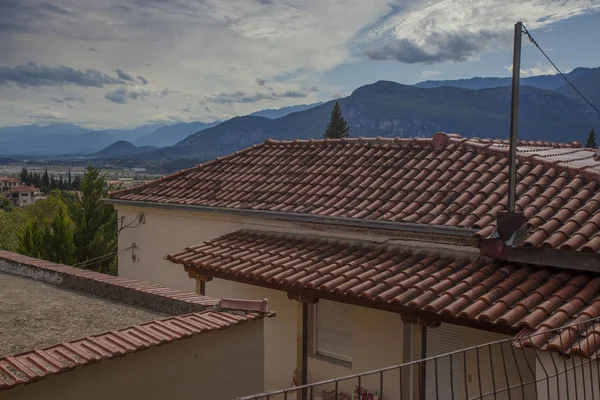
[(37, 364), (444, 181), (213, 314), (516, 297), (24, 189)]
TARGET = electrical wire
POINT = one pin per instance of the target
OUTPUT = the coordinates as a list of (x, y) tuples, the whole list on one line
[(102, 258), (138, 219), (532, 40)]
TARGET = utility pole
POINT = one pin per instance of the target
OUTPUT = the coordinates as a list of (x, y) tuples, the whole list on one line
[(514, 118), (510, 224)]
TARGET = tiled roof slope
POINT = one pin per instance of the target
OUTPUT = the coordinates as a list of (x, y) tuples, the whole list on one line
[(444, 181), (38, 364), (212, 314), (518, 297)]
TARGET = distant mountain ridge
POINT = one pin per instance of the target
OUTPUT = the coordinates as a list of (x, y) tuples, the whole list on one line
[(21, 140), (282, 112), (582, 77), (549, 110), (171, 134), (390, 109), (122, 148)]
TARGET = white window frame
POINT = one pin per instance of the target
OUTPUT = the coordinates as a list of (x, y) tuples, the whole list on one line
[(342, 356)]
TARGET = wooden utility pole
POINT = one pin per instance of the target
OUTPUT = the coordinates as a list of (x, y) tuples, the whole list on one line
[(514, 118)]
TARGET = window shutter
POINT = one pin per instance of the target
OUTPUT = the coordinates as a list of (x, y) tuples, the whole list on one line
[(334, 330), (441, 340)]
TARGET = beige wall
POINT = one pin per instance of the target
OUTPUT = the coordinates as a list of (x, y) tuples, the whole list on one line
[(218, 365), (566, 378), (378, 336), (377, 342), (520, 367)]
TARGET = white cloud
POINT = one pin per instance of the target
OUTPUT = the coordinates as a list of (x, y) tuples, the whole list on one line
[(460, 30), (429, 74), (539, 69), (201, 49), (46, 114)]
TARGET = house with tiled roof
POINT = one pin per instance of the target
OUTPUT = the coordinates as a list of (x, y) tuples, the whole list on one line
[(23, 195), (7, 183), (72, 334), (375, 252)]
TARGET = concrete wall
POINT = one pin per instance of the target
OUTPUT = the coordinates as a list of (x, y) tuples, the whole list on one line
[(217, 365)]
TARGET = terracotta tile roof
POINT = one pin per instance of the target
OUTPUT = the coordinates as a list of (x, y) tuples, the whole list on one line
[(443, 181), (101, 284), (38, 364), (24, 189), (210, 315), (515, 297)]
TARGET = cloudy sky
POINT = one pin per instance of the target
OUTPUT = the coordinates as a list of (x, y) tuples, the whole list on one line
[(123, 63)]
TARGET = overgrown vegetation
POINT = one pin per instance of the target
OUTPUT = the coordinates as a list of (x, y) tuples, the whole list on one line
[(66, 227)]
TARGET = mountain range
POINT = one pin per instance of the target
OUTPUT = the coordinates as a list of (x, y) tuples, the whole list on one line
[(549, 110), (390, 109), (67, 139)]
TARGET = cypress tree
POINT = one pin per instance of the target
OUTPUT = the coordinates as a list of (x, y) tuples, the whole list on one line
[(45, 182), (95, 223), (337, 127), (24, 176), (591, 140)]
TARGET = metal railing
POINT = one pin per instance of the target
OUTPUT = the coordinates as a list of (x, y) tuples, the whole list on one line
[(555, 364)]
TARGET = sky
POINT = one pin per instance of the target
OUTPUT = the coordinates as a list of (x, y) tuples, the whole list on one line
[(124, 63)]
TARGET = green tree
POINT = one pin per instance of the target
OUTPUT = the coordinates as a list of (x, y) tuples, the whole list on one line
[(11, 223), (591, 140), (36, 180), (31, 240), (58, 240), (69, 228), (95, 224), (24, 176), (48, 208), (52, 240), (337, 127), (45, 182)]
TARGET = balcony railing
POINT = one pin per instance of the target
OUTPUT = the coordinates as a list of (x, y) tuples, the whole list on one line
[(553, 365)]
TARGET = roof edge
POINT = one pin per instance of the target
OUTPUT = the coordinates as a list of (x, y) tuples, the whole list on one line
[(311, 218), (35, 365), (540, 256)]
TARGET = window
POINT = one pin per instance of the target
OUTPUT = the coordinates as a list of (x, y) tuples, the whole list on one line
[(333, 330), (24, 194)]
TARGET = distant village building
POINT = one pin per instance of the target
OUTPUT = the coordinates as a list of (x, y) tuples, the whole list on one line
[(7, 184), (24, 195), (71, 334)]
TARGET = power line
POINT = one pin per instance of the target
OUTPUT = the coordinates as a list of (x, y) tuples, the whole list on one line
[(102, 258), (532, 40)]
